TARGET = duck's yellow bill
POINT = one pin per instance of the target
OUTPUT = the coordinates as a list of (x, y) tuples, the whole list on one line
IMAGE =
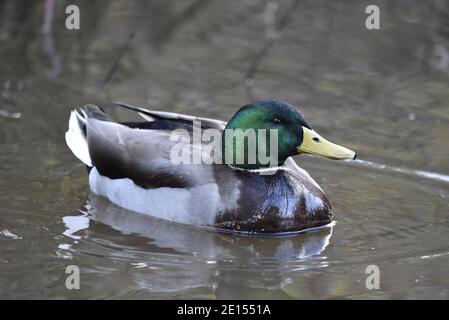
[(313, 143)]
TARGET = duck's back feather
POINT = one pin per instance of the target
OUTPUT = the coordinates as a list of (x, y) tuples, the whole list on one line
[(152, 115)]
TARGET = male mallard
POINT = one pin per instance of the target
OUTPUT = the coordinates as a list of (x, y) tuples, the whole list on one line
[(132, 165)]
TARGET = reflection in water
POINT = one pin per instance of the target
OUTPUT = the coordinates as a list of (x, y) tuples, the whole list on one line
[(208, 244), (7, 233), (74, 224), (48, 43), (229, 260)]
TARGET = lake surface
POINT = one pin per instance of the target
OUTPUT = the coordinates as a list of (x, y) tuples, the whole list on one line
[(383, 93)]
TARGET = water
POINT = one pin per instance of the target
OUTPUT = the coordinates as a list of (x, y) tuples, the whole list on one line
[(382, 93)]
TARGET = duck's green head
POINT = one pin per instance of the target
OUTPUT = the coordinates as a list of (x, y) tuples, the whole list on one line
[(265, 133)]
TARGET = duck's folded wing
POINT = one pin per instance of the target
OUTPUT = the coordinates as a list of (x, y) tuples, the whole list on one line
[(151, 115), (150, 158)]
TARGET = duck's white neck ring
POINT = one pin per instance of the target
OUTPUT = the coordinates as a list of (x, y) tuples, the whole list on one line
[(262, 170)]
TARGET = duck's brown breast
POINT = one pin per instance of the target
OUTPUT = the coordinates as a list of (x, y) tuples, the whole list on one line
[(282, 202)]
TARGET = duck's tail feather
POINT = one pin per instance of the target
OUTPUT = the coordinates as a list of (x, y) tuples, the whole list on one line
[(76, 137)]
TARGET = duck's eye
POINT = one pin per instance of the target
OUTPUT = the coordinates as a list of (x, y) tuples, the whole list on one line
[(276, 120), (316, 139)]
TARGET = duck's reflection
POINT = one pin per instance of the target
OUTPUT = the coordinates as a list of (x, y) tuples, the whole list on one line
[(208, 244), (208, 259)]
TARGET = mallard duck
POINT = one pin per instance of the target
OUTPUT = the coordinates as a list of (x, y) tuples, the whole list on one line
[(133, 165)]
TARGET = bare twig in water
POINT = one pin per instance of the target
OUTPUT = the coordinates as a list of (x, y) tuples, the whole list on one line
[(119, 57), (165, 31), (48, 43), (270, 39), (48, 16)]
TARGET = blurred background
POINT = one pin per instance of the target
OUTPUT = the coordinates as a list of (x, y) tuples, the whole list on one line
[(383, 93)]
